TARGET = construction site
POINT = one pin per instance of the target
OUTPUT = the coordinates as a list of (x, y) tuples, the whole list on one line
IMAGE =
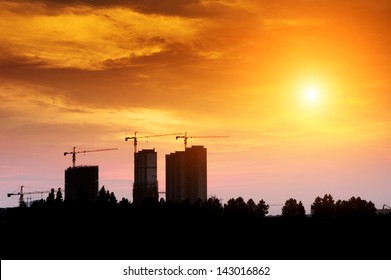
[(186, 174)]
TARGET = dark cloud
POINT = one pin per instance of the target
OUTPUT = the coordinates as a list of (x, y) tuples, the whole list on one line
[(167, 7), (333, 8), (182, 8), (76, 2), (14, 61)]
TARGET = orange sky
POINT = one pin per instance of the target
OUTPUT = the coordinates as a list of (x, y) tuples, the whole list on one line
[(89, 73)]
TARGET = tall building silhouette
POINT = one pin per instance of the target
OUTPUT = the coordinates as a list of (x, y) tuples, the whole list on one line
[(186, 175), (81, 184), (145, 176)]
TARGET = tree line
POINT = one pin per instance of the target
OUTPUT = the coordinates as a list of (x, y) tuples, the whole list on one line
[(324, 206), (155, 229)]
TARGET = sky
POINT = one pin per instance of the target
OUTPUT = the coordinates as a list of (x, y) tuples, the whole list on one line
[(302, 89)]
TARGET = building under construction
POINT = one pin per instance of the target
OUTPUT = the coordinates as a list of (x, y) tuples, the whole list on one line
[(145, 176), (81, 184), (186, 175)]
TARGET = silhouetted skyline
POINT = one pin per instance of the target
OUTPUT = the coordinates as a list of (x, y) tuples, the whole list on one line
[(301, 87)]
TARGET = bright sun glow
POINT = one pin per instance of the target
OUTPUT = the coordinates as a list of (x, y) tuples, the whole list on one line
[(311, 94)]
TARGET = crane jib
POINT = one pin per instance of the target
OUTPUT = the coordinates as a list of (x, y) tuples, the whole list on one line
[(74, 152)]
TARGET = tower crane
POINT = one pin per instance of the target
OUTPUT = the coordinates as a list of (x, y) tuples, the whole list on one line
[(135, 137), (73, 152), (21, 194), (185, 137)]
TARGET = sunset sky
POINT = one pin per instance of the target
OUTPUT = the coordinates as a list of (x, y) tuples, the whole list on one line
[(302, 88)]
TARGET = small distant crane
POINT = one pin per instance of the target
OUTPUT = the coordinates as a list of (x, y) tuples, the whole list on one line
[(135, 137), (186, 137), (21, 194), (73, 152)]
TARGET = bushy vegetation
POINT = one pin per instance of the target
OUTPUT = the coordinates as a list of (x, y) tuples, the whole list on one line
[(237, 229), (324, 206)]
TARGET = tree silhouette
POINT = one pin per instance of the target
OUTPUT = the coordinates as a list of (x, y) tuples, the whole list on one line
[(50, 200), (106, 198), (355, 207), (235, 207), (124, 202), (112, 199), (300, 209), (198, 203), (263, 208), (251, 207), (38, 203), (59, 200), (323, 207), (213, 206), (293, 209), (209, 223), (101, 199), (149, 202), (214, 203)]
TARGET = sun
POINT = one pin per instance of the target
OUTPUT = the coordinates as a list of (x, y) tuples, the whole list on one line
[(314, 95), (311, 94)]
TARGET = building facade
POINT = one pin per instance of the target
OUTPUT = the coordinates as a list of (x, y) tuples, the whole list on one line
[(145, 176), (81, 184), (186, 175)]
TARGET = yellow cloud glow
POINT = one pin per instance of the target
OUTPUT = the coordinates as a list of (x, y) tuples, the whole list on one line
[(37, 106), (85, 38)]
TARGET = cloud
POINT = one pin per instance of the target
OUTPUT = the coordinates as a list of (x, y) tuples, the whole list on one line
[(40, 106), (111, 35), (198, 58), (183, 8), (85, 38)]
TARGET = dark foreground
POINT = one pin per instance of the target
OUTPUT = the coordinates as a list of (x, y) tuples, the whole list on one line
[(113, 234)]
